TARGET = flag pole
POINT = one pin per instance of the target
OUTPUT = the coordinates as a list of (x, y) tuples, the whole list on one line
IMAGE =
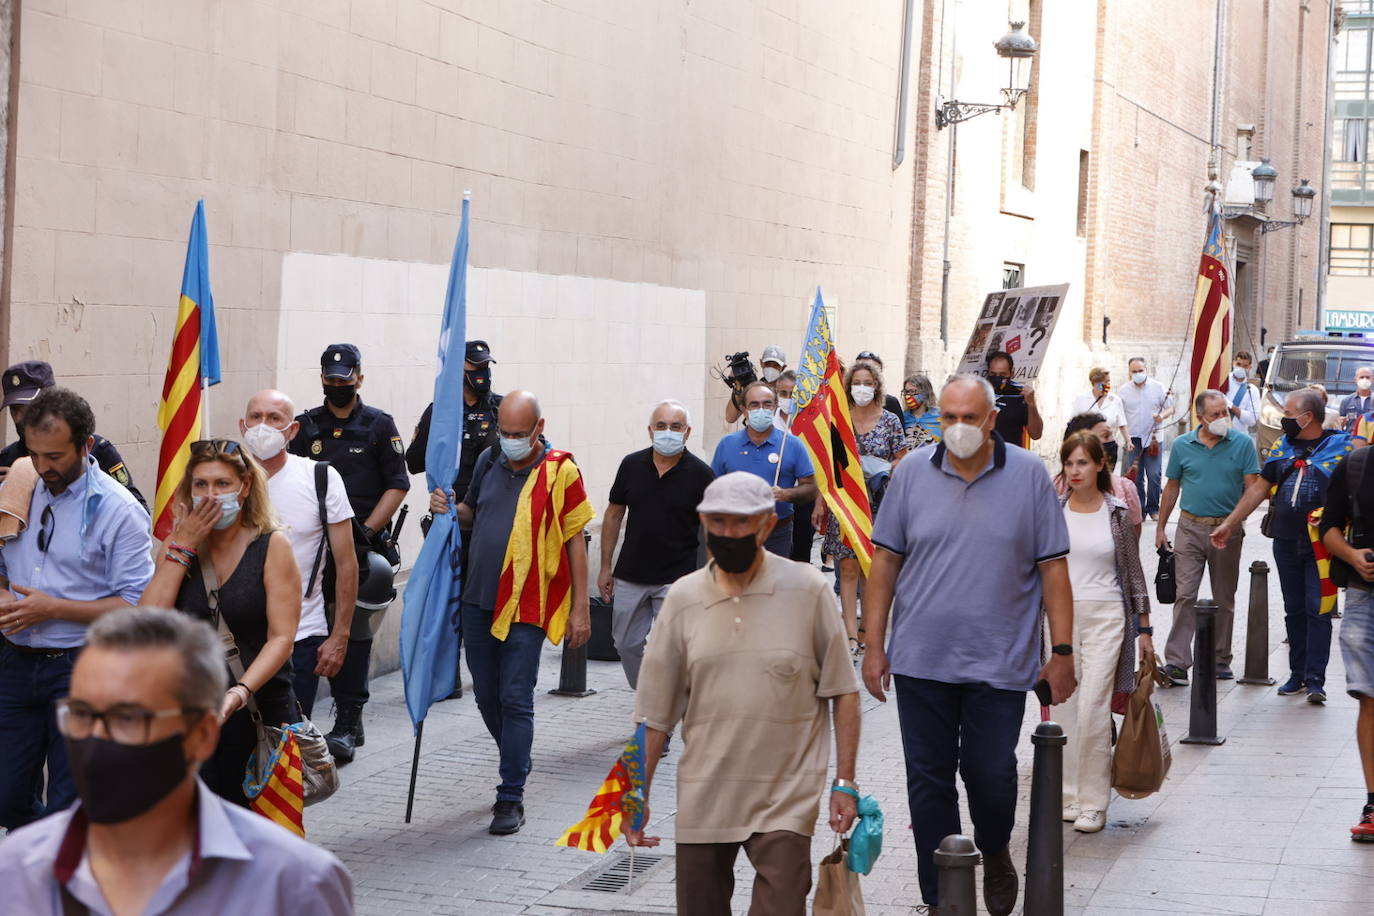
[(204, 408), (414, 768)]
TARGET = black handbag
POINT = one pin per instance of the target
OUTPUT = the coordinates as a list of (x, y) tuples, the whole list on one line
[(1166, 588)]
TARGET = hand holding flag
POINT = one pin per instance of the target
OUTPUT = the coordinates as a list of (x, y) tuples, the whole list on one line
[(619, 805)]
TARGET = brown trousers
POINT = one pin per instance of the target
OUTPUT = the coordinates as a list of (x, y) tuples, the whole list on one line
[(781, 859), (1192, 553)]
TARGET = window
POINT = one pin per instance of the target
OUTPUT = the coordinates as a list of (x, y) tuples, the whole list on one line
[(1012, 275), (1352, 139), (1352, 250), (1083, 165)]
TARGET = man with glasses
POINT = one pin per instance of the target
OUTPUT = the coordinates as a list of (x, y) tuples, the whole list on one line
[(660, 487), (527, 579), (761, 448), (85, 550), (148, 836)]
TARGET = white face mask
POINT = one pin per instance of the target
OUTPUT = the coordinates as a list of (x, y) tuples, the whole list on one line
[(668, 442), (785, 405), (963, 440), (264, 441), (771, 373), (1139, 377), (1239, 373), (1220, 426), (862, 394), (1364, 382)]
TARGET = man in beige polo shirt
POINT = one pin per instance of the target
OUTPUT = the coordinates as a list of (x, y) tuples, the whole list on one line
[(746, 652)]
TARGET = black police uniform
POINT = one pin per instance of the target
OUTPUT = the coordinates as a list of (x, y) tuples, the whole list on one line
[(104, 453), (480, 432), (366, 449)]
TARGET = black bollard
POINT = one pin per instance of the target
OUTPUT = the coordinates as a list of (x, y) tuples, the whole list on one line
[(572, 674), (1045, 852), (956, 858), (1202, 711), (1257, 628)]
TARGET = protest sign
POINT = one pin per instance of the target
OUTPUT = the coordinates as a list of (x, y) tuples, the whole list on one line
[(1015, 321)]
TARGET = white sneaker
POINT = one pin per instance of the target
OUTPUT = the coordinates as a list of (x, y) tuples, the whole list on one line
[(1071, 813), (1090, 821)]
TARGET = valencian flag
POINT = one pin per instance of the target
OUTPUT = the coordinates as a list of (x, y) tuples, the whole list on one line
[(429, 628), (1211, 313), (193, 365), (822, 423), (617, 806)]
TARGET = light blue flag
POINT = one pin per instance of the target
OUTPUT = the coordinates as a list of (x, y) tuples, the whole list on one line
[(429, 622), (195, 285)]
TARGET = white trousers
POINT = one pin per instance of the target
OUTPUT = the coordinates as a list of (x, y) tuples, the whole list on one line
[(1098, 628)]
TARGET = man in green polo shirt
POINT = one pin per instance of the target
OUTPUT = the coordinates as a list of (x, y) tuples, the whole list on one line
[(1213, 466)]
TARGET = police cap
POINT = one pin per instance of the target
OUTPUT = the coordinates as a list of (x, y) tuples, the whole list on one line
[(339, 360), (479, 354), (23, 381)]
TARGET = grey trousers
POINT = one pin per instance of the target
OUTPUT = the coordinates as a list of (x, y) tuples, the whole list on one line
[(634, 608), (1192, 553)]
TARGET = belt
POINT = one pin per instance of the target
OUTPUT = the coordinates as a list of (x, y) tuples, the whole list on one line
[(1213, 520), (38, 651)]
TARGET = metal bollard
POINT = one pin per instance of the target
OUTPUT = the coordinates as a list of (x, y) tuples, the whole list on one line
[(956, 858), (572, 674), (1202, 711), (1257, 628), (1045, 853)]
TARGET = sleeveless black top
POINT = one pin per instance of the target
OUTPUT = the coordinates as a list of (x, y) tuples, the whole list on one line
[(243, 602)]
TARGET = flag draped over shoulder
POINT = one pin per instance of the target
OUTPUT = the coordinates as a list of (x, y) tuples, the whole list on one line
[(536, 576), (617, 806), (1322, 462), (1211, 313), (429, 619), (194, 362), (822, 423)]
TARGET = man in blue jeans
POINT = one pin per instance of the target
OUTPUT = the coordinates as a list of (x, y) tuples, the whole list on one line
[(86, 550), (518, 587), (1148, 407), (965, 644)]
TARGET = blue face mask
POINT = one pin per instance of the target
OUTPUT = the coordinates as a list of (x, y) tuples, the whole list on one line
[(229, 509), (760, 419), (668, 442), (516, 449)]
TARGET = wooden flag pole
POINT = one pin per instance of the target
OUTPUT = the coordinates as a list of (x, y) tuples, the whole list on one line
[(414, 768), (204, 409)]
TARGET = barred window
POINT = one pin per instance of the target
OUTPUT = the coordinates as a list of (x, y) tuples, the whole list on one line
[(1352, 249)]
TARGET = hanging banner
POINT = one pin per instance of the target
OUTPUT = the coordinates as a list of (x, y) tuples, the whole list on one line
[(1018, 322)]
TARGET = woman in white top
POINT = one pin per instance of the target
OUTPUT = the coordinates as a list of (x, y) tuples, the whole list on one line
[(1111, 606), (1102, 401)]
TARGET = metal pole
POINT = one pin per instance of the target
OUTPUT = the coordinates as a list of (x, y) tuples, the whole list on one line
[(572, 675), (414, 768), (1045, 853), (1257, 628), (899, 148), (1202, 712), (956, 858)]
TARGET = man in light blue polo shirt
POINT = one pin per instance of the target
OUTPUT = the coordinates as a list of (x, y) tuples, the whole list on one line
[(1209, 470), (971, 539), (759, 449), (86, 550)]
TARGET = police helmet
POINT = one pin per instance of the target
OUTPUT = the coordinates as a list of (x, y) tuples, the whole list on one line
[(375, 591)]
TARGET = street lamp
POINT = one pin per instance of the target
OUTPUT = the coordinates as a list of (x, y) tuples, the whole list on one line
[(1265, 176), (1303, 197), (1017, 49)]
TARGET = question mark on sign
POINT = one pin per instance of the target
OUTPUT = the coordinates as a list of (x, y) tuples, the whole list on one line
[(1035, 341)]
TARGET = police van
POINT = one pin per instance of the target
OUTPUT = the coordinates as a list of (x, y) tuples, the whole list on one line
[(1328, 359)]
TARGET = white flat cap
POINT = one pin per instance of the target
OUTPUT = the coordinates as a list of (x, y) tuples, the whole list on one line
[(737, 493)]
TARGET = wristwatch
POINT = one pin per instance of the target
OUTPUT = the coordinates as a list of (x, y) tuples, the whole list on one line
[(1147, 631), (1062, 648)]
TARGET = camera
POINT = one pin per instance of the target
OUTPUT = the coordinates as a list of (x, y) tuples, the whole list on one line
[(739, 371)]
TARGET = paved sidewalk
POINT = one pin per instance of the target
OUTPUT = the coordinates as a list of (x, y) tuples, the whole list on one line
[(1256, 826)]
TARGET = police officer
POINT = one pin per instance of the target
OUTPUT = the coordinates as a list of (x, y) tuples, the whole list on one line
[(479, 433), (363, 445), (21, 384)]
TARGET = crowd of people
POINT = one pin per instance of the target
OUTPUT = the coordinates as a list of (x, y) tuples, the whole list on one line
[(134, 673)]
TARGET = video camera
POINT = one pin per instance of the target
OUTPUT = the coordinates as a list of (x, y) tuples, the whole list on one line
[(738, 371)]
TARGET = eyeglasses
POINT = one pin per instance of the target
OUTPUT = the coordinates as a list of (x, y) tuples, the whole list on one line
[(45, 529), (214, 447), (125, 723)]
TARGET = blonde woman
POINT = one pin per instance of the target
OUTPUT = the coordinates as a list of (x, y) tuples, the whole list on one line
[(225, 524)]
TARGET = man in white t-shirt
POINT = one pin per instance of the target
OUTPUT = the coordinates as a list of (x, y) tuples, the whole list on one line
[(1102, 400), (1242, 397), (268, 424), (1148, 409)]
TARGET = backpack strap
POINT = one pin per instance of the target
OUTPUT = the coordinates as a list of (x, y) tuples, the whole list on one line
[(1355, 484), (321, 490)]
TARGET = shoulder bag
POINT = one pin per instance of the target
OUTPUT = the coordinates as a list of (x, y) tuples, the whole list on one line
[(319, 775)]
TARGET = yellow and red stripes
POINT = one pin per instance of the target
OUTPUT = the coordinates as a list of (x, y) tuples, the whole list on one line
[(178, 414), (1323, 558), (598, 830), (282, 799), (1211, 313)]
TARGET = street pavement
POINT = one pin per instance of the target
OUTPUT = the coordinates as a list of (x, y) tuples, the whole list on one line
[(1259, 825)]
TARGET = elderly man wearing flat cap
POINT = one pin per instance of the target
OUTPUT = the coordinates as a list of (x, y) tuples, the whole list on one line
[(746, 653)]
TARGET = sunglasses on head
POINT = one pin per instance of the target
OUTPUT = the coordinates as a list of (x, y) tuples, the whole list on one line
[(214, 447)]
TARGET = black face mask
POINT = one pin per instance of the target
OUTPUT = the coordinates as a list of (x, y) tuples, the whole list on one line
[(998, 382), (477, 380), (118, 782), (733, 555), (340, 395), (1291, 427)]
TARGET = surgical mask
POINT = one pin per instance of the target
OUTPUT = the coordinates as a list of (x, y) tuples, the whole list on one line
[(477, 380), (862, 394), (1139, 377), (733, 555), (668, 442), (516, 449), (1363, 383), (340, 395), (997, 381), (1220, 426), (228, 506), (1291, 427), (118, 782), (760, 419), (264, 441), (771, 373), (785, 405), (963, 440), (1238, 373)]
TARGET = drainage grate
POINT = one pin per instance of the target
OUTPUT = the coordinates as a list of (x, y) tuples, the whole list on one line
[(616, 877)]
